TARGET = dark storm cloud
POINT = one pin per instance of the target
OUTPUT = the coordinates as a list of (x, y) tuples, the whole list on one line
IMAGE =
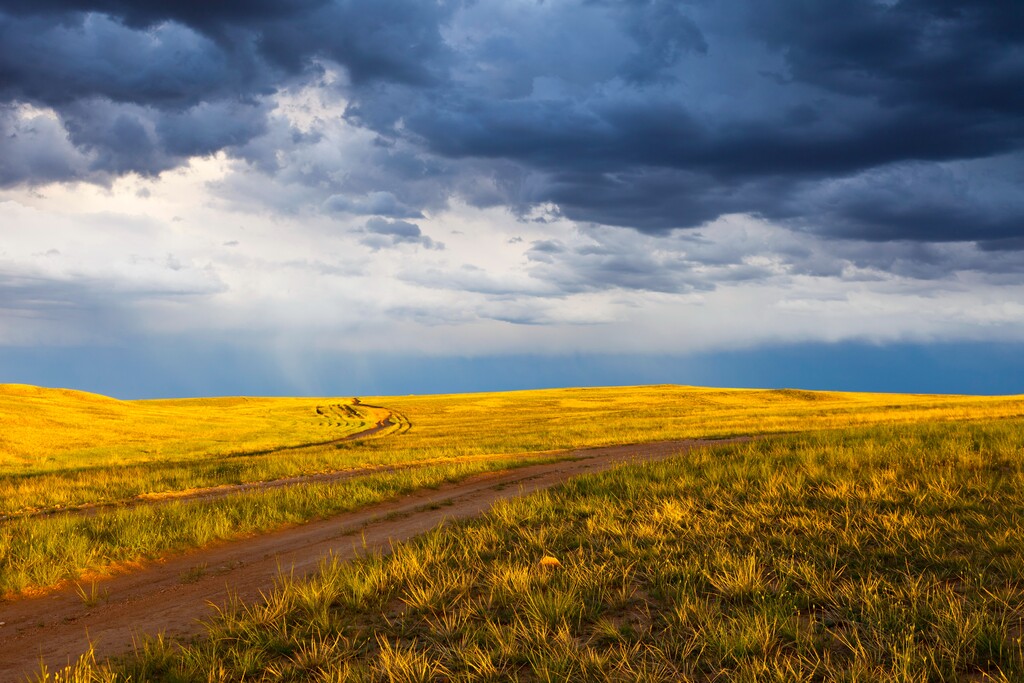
[(382, 233), (662, 32), (374, 203), (961, 56), (62, 59), (862, 88), (860, 120), (129, 100), (599, 268), (384, 39), (141, 86), (602, 259), (607, 259), (878, 212), (34, 149), (141, 13)]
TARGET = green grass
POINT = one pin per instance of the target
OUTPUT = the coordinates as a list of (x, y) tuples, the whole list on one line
[(41, 552), (891, 553)]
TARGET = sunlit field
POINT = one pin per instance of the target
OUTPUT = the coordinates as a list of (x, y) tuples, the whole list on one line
[(524, 421), (886, 553), (62, 449), (71, 450), (56, 429)]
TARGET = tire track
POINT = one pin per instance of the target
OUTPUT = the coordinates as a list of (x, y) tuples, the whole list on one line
[(223, 490)]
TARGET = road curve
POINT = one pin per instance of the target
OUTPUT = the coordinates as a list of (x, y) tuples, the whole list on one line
[(172, 595)]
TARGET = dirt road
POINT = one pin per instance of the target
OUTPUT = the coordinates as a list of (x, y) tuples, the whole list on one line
[(172, 595)]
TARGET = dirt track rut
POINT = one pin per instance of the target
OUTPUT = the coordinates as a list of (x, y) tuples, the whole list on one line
[(225, 490), (171, 596)]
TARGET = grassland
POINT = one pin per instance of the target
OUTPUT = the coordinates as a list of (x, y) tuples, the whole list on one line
[(527, 421), (41, 552), (61, 448), (885, 553), (66, 449), (57, 429)]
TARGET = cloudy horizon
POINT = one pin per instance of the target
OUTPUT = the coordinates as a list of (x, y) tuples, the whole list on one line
[(303, 185)]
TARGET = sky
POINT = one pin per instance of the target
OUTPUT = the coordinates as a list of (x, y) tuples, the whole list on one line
[(393, 196)]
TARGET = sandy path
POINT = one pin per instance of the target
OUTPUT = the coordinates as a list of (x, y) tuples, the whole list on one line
[(168, 597)]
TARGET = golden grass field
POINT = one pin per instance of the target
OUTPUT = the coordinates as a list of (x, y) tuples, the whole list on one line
[(889, 553), (524, 421), (64, 449), (870, 528), (57, 429)]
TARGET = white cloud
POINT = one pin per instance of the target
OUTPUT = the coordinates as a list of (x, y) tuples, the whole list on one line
[(284, 246)]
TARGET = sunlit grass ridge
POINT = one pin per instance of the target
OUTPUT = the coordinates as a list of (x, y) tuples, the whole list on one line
[(61, 448), (890, 553), (54, 429), (70, 449), (522, 421)]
